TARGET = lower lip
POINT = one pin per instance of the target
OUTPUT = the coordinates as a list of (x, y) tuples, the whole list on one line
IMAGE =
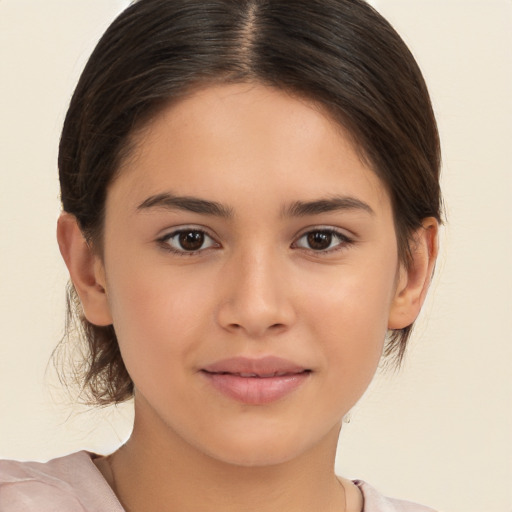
[(256, 390)]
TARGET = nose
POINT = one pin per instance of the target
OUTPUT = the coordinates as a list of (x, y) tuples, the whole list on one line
[(255, 299)]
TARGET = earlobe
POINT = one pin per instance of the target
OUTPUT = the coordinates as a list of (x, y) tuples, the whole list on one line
[(85, 269), (413, 282)]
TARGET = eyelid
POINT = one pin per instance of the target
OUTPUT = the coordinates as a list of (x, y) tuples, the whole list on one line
[(345, 239), (163, 240)]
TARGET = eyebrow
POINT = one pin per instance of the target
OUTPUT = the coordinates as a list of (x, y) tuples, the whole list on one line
[(331, 204), (169, 201)]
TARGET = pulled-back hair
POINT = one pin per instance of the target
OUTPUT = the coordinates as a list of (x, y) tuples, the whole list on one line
[(340, 54)]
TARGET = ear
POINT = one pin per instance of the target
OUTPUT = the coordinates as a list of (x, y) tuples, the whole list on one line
[(86, 270), (413, 282)]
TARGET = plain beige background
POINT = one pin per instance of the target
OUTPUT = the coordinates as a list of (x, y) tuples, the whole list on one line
[(439, 432)]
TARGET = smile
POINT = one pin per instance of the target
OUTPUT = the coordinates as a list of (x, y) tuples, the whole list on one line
[(255, 381)]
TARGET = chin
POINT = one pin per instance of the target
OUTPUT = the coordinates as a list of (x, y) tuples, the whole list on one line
[(259, 450), (256, 458)]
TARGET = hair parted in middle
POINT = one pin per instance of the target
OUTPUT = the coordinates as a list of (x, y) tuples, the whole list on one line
[(340, 54)]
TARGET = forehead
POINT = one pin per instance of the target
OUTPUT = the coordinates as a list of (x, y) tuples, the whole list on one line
[(242, 139)]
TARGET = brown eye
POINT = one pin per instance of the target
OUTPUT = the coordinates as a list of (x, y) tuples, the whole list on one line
[(322, 240), (185, 241), (319, 240), (191, 240)]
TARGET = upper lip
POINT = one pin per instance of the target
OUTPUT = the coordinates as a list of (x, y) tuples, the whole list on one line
[(268, 366)]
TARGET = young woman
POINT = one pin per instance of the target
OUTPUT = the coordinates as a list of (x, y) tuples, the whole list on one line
[(251, 202)]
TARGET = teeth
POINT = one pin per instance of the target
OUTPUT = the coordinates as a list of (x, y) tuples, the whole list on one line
[(247, 375)]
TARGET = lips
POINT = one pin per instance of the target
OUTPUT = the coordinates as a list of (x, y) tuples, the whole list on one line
[(255, 381)]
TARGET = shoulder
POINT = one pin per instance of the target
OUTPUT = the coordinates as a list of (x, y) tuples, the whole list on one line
[(376, 502), (67, 483)]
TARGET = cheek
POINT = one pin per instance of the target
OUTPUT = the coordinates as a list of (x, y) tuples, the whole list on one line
[(158, 317), (352, 303), (348, 316)]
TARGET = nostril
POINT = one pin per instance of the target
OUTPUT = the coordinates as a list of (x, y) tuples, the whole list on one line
[(277, 327), (254, 318)]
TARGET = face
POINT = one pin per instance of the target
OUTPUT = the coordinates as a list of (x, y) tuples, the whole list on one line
[(250, 268)]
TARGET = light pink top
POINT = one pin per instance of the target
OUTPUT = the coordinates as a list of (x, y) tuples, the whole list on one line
[(74, 484)]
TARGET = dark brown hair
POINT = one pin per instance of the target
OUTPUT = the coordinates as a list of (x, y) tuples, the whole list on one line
[(339, 53)]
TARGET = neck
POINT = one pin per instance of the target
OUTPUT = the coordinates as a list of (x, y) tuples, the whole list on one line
[(159, 471)]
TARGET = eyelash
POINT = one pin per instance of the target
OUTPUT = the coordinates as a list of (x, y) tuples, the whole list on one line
[(164, 241), (343, 241)]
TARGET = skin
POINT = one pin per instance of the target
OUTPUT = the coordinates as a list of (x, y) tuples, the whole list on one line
[(255, 288)]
